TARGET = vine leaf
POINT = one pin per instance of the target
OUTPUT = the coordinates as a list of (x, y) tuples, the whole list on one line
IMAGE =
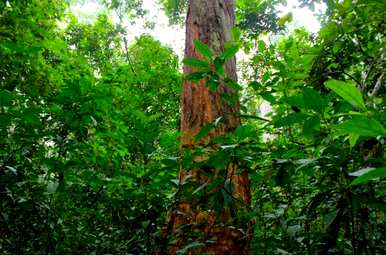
[(203, 49)]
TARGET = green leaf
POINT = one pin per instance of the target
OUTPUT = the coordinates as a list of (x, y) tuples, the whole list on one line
[(31, 118), (236, 33), (290, 119), (267, 96), (232, 84), (313, 100), (145, 223), (261, 46), (373, 173), (212, 85), (230, 51), (293, 230), (348, 91), (196, 76), (362, 126), (245, 131), (175, 182), (330, 217), (353, 139), (200, 188), (5, 98), (286, 18), (171, 162), (311, 126), (204, 132), (255, 85), (52, 187), (219, 65), (230, 98), (296, 100), (226, 191), (219, 160), (195, 62), (203, 49), (12, 169)]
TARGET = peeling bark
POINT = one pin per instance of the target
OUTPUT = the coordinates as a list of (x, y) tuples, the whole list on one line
[(209, 21)]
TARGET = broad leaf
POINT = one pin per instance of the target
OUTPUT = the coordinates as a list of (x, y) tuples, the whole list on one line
[(353, 139), (330, 217), (203, 49), (348, 91), (236, 33), (290, 119), (313, 100), (195, 62), (267, 96), (370, 175), (311, 126), (296, 100), (230, 51), (219, 65), (212, 85), (362, 126), (245, 131), (219, 160), (196, 76), (204, 132)]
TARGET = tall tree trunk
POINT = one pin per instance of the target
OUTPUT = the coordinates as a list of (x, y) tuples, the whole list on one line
[(209, 21)]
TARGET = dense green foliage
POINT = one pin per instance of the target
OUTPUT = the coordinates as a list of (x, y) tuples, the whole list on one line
[(89, 141), (252, 16), (328, 100), (82, 134)]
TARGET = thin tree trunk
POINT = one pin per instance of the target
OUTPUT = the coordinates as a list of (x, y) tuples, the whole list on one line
[(209, 21)]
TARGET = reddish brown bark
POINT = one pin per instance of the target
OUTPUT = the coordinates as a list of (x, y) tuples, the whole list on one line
[(209, 21)]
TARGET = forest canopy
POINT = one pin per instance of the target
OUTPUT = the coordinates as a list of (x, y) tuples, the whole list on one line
[(90, 137)]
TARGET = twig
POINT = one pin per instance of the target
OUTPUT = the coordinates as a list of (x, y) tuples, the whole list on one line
[(377, 86), (254, 117)]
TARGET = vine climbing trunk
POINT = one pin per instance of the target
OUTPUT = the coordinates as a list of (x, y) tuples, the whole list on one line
[(209, 21), (198, 228)]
